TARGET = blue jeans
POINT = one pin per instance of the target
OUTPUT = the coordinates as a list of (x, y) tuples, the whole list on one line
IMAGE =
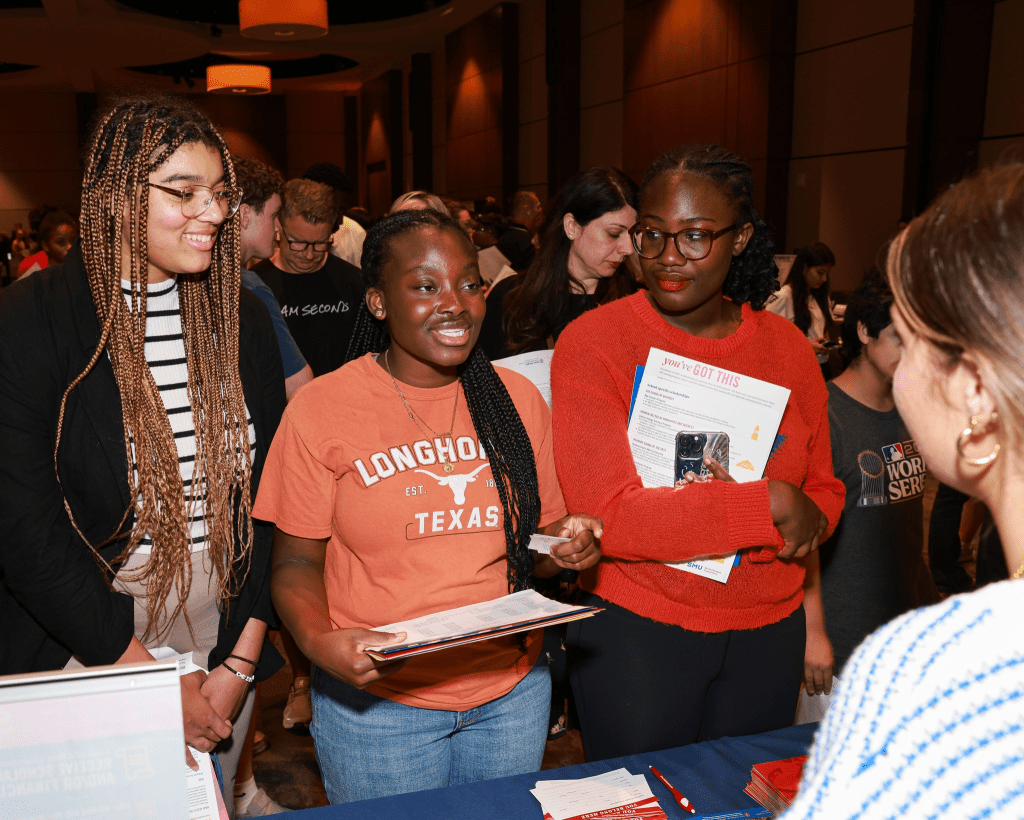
[(369, 746)]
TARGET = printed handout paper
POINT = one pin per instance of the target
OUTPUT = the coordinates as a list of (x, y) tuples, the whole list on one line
[(676, 394), (617, 794), (535, 366), (507, 615)]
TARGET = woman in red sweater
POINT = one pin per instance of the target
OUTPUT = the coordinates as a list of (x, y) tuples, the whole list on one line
[(678, 658)]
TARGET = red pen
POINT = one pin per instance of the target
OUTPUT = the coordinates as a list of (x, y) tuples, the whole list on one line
[(682, 801)]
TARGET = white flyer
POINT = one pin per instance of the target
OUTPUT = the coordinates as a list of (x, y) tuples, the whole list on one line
[(677, 394), (204, 800), (506, 615), (544, 543), (535, 366), (600, 795)]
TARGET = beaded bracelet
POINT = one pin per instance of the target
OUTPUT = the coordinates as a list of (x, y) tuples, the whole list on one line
[(246, 678)]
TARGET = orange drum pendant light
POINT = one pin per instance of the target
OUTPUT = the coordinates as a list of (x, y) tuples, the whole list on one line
[(238, 79), (282, 20)]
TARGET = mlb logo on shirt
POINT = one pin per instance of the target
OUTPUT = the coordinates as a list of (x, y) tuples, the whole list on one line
[(893, 452)]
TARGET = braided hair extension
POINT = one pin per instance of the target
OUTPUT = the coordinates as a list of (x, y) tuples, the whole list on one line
[(131, 141), (495, 418), (753, 275)]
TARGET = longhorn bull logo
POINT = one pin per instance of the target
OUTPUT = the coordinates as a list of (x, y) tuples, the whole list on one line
[(456, 482)]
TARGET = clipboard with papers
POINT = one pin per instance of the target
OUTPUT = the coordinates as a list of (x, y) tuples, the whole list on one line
[(518, 612)]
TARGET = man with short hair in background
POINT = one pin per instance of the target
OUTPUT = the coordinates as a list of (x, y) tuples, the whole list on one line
[(319, 293), (348, 238), (257, 217), (516, 243)]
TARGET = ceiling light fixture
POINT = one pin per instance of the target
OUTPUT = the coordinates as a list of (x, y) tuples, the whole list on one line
[(277, 21), (238, 79)]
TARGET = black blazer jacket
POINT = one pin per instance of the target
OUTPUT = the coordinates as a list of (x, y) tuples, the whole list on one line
[(54, 600)]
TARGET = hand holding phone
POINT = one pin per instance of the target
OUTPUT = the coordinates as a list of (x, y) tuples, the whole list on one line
[(692, 446)]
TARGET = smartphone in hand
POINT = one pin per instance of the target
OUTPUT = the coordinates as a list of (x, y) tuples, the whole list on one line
[(691, 448)]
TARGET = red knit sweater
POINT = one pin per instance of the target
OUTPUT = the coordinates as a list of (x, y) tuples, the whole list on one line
[(592, 379)]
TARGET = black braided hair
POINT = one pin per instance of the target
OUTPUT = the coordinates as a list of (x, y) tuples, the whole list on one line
[(753, 275), (495, 418)]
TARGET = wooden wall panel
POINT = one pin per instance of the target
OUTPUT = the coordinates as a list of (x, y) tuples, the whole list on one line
[(314, 128), (563, 75), (822, 23), (656, 120), (702, 71), (439, 119), (752, 105), (375, 122), (39, 155), (852, 97), (533, 99), (602, 116), (601, 67), (852, 80), (670, 39), (860, 205), (1004, 105), (952, 43), (474, 108)]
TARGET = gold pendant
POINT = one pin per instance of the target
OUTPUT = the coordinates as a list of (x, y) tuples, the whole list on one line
[(448, 467)]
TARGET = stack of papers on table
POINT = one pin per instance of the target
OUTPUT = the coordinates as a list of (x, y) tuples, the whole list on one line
[(616, 795), (774, 784), (518, 612)]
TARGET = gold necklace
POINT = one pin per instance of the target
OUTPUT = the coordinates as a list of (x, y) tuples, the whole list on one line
[(446, 465), (1017, 573)]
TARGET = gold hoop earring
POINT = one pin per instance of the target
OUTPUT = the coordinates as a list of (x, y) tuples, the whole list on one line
[(965, 435)]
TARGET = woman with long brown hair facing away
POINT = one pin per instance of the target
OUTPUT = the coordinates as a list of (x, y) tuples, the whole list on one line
[(584, 240), (929, 716), (139, 392), (677, 658)]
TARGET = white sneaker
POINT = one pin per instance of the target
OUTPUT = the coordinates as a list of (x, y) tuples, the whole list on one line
[(260, 806)]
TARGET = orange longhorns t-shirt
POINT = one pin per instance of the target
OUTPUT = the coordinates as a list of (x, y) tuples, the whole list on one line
[(406, 538)]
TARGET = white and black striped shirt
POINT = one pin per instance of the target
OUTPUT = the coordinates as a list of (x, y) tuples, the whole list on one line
[(165, 354)]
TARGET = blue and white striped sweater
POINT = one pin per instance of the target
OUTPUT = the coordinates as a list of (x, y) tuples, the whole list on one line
[(928, 721)]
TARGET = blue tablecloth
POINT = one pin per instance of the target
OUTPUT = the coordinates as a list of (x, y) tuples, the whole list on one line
[(711, 775)]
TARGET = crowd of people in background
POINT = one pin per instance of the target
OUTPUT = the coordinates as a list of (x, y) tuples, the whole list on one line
[(343, 349)]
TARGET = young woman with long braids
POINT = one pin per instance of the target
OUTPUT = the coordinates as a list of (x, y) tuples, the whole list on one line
[(139, 391), (584, 239), (409, 481), (928, 718), (676, 657)]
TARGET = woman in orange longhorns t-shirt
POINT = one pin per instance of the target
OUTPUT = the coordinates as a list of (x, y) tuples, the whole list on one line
[(409, 483)]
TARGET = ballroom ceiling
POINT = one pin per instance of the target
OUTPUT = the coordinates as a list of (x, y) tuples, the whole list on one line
[(94, 45)]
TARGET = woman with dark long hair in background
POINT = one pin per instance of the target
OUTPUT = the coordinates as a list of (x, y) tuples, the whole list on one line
[(583, 241), (804, 299)]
